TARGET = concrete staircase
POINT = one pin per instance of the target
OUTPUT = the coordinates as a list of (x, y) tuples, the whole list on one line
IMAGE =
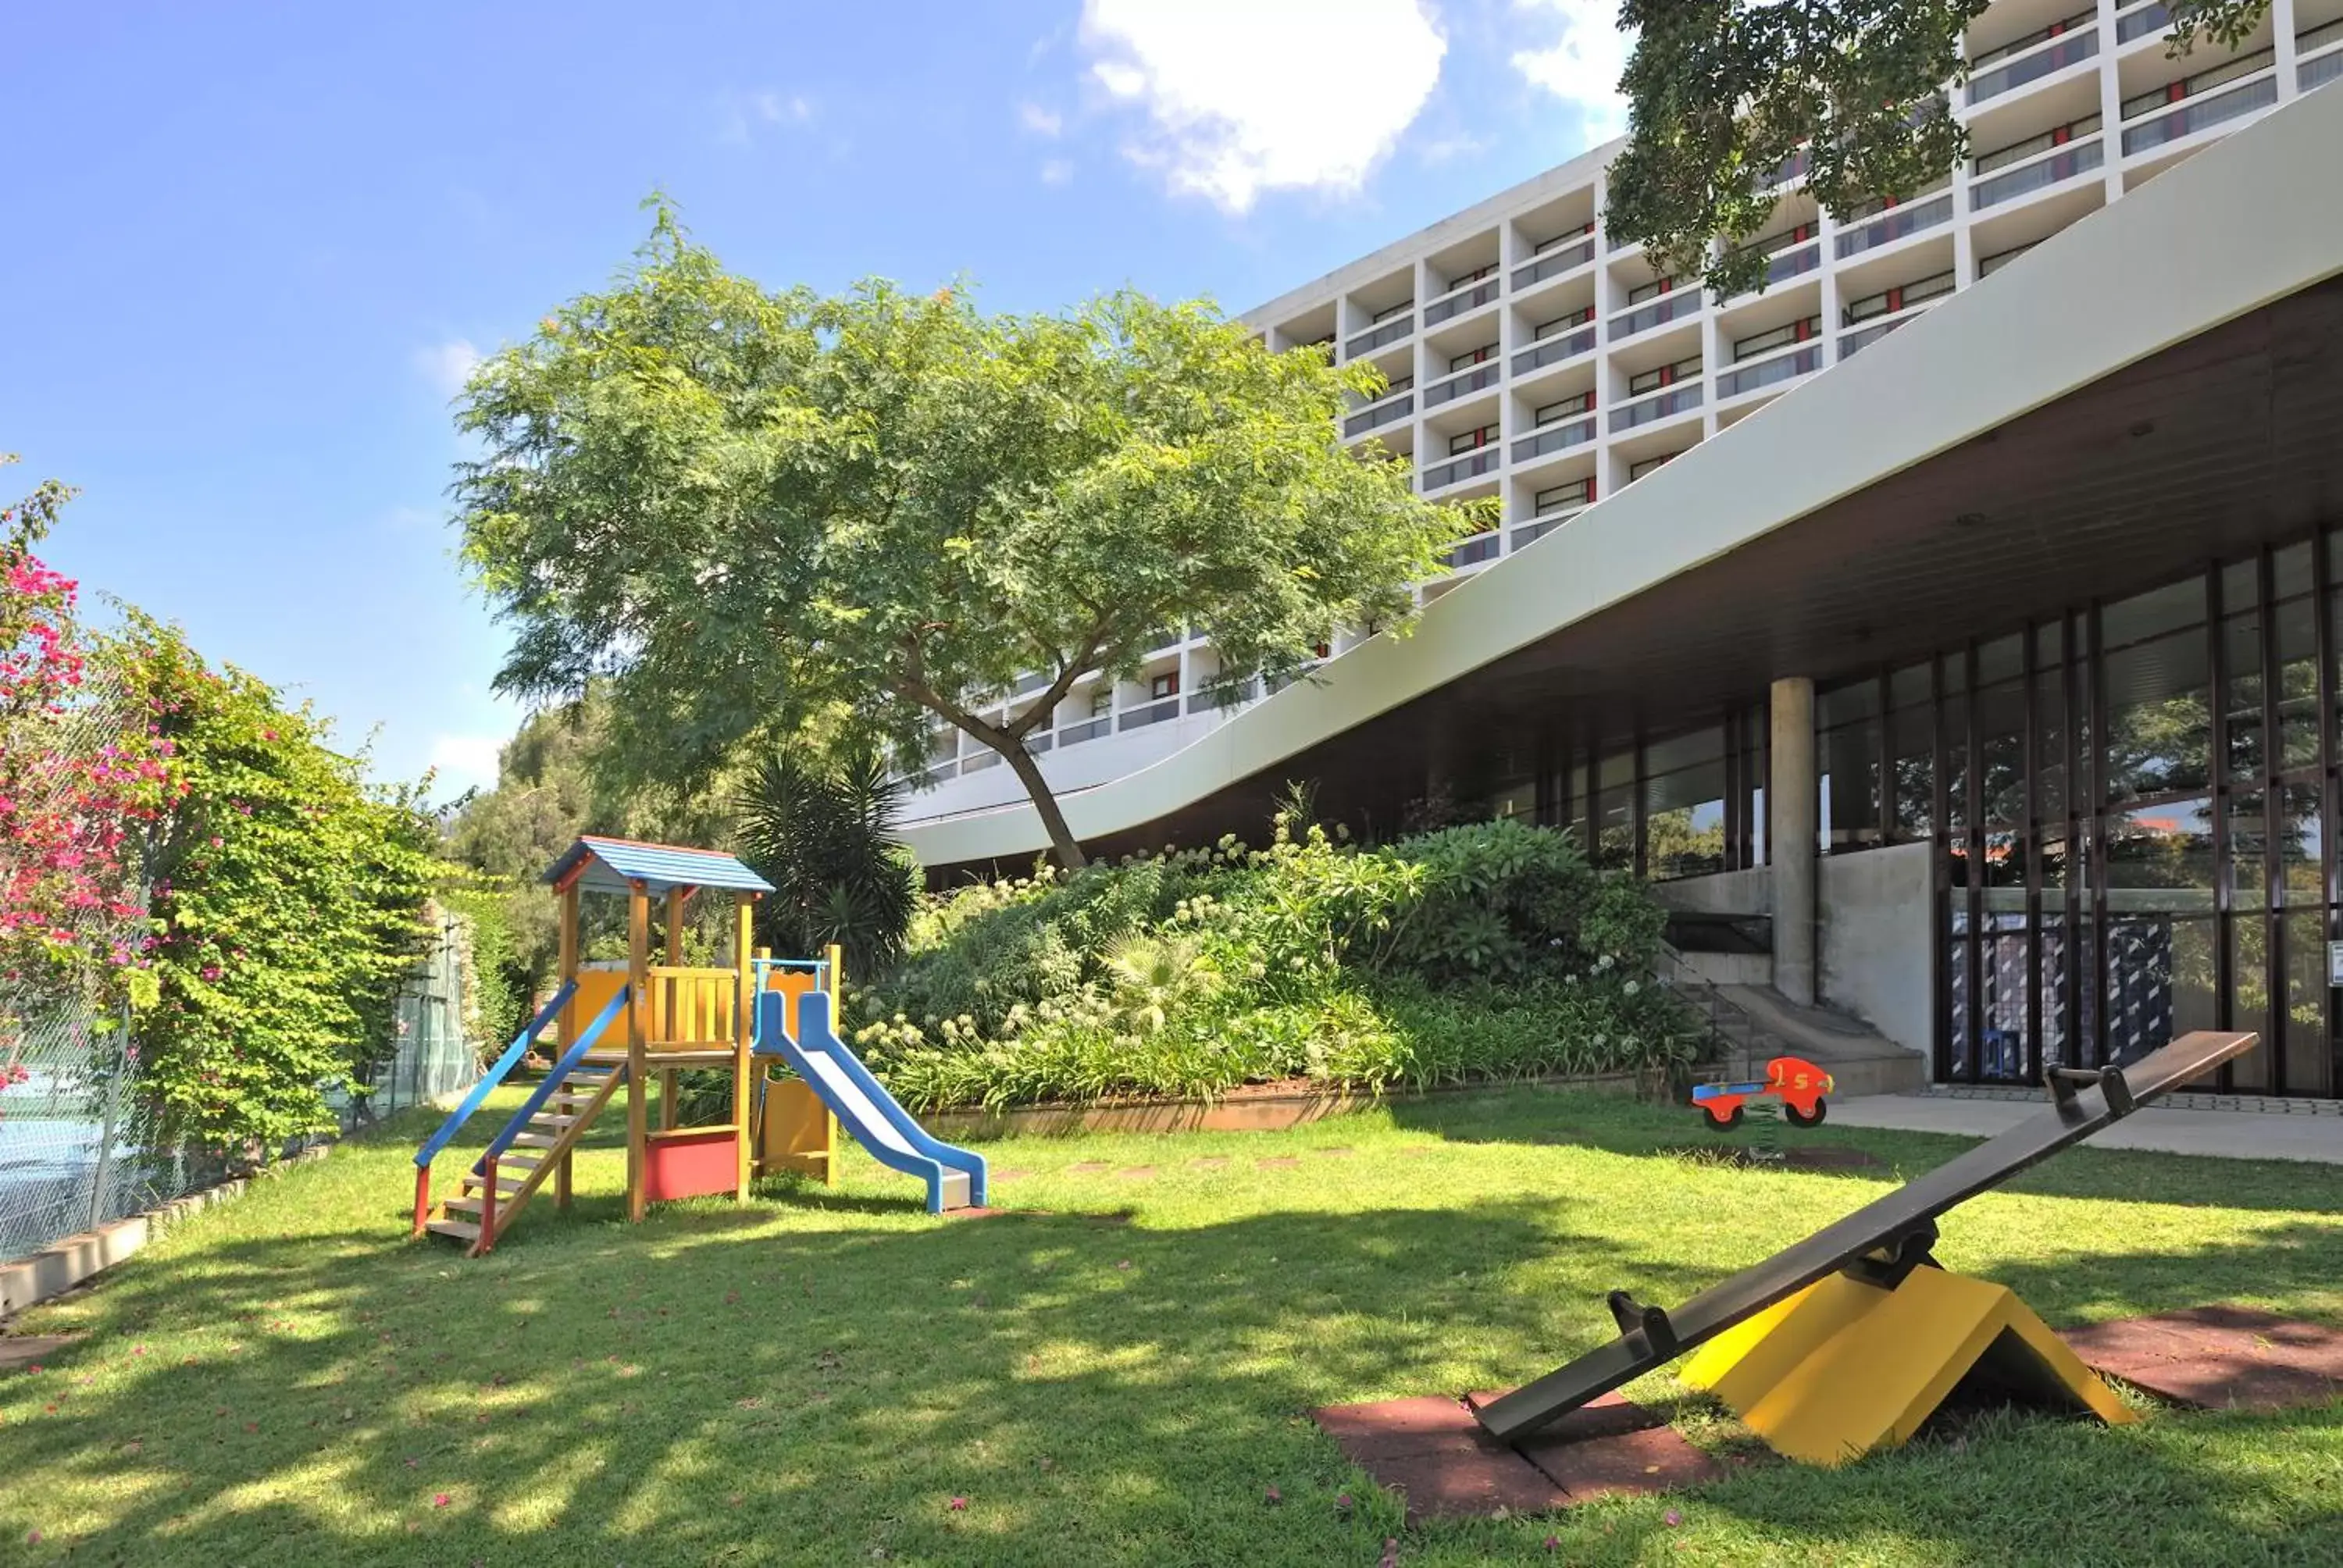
[(1752, 1023)]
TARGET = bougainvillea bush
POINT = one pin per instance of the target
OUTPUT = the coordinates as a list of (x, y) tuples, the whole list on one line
[(1486, 951), (82, 772), (288, 897)]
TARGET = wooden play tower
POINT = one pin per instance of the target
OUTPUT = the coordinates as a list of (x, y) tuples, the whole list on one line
[(624, 1030)]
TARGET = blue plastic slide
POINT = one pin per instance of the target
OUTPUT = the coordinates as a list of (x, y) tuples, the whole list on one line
[(955, 1177)]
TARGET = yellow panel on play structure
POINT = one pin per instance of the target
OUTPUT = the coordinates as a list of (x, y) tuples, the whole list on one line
[(796, 1131), (1845, 1367)]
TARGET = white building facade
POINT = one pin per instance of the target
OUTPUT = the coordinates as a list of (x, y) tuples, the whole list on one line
[(1532, 357)]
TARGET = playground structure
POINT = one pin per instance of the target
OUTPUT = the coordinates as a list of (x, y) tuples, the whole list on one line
[(1847, 1341), (741, 1020)]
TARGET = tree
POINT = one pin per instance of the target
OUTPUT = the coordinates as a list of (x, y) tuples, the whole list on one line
[(1723, 94), (744, 508)]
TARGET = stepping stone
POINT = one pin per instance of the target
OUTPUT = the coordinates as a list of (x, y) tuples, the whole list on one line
[(1136, 1172), (1278, 1162), (1433, 1452), (1208, 1162), (1008, 1175), (1331, 1154), (2217, 1358), (1087, 1168)]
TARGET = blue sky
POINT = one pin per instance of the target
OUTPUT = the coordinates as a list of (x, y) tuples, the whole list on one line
[(255, 246)]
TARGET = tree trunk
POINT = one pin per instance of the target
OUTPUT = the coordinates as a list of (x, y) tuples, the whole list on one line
[(1068, 853)]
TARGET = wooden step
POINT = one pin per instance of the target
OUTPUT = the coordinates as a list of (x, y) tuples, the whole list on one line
[(462, 1230), (504, 1183), (534, 1140), (548, 1118)]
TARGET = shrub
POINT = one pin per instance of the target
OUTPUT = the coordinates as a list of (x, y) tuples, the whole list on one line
[(823, 836), (1468, 953)]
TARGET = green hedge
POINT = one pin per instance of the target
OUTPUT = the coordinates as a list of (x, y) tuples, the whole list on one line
[(1479, 952)]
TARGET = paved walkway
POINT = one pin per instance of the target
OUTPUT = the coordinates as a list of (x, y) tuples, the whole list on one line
[(2232, 1135)]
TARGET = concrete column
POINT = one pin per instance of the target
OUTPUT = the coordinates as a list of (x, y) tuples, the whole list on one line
[(1790, 806)]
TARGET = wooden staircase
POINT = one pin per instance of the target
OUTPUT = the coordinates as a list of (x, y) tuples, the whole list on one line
[(537, 1139)]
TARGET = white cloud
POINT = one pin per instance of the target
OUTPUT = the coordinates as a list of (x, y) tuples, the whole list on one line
[(1057, 171), (1244, 97), (448, 365), (743, 112), (1041, 122), (1583, 66), (463, 761)]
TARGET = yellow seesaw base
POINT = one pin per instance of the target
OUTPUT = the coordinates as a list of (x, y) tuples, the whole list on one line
[(1843, 1367)]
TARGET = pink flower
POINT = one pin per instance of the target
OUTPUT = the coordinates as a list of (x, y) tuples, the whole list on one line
[(1672, 1518), (438, 1500), (959, 1505)]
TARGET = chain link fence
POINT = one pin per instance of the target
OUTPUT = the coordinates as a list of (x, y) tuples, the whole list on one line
[(78, 1142)]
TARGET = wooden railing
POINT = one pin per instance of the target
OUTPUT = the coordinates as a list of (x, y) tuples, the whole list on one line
[(689, 1009)]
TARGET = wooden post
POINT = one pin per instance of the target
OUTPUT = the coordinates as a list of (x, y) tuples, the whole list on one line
[(744, 1016), (566, 1024), (834, 975), (676, 1007), (638, 964)]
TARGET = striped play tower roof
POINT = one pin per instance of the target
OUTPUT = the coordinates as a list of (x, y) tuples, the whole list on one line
[(602, 865)]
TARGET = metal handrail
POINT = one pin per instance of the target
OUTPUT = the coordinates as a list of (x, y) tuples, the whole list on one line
[(1712, 1004), (544, 1090), (495, 1076)]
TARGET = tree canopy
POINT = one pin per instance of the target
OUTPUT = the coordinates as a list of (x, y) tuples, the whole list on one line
[(749, 511), (1724, 93)]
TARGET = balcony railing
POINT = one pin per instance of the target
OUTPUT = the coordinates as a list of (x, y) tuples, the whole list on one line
[(2195, 113), (1791, 167), (1390, 332), (1075, 734), (1545, 523), (1853, 343), (1212, 697), (1555, 439), (1037, 744), (2052, 53), (1662, 405), (1553, 263), (1463, 300), (1475, 550), (1153, 713), (1766, 372), (2324, 68), (1455, 471), (977, 761), (1896, 223), (1376, 414), (2140, 20), (2053, 168), (1471, 378), (1554, 350), (1667, 308)]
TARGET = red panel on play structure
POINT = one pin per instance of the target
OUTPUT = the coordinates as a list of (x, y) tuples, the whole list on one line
[(690, 1164)]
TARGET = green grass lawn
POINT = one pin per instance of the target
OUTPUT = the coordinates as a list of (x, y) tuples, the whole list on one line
[(816, 1377)]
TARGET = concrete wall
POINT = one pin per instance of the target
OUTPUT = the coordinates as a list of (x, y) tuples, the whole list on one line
[(1877, 936), (1749, 892)]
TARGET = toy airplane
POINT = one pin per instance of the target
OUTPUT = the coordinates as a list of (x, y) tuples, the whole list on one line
[(1799, 1084)]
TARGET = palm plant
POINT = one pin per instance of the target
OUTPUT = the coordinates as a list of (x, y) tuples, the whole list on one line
[(822, 832)]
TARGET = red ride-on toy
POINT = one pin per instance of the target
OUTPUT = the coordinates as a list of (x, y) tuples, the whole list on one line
[(1799, 1084)]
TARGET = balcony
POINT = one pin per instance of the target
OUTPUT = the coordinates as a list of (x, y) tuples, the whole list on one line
[(1792, 167), (1794, 251), (1472, 552), (977, 761), (2319, 52), (1888, 301), (1653, 406), (1896, 223), (1670, 306), (1744, 378), (1376, 416), (2201, 102), (2061, 45), (1545, 523), (1554, 350), (1556, 438), (2062, 163), (1470, 298), (1553, 263), (1456, 470), (1153, 713), (1471, 379), (1075, 734), (1381, 336)]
